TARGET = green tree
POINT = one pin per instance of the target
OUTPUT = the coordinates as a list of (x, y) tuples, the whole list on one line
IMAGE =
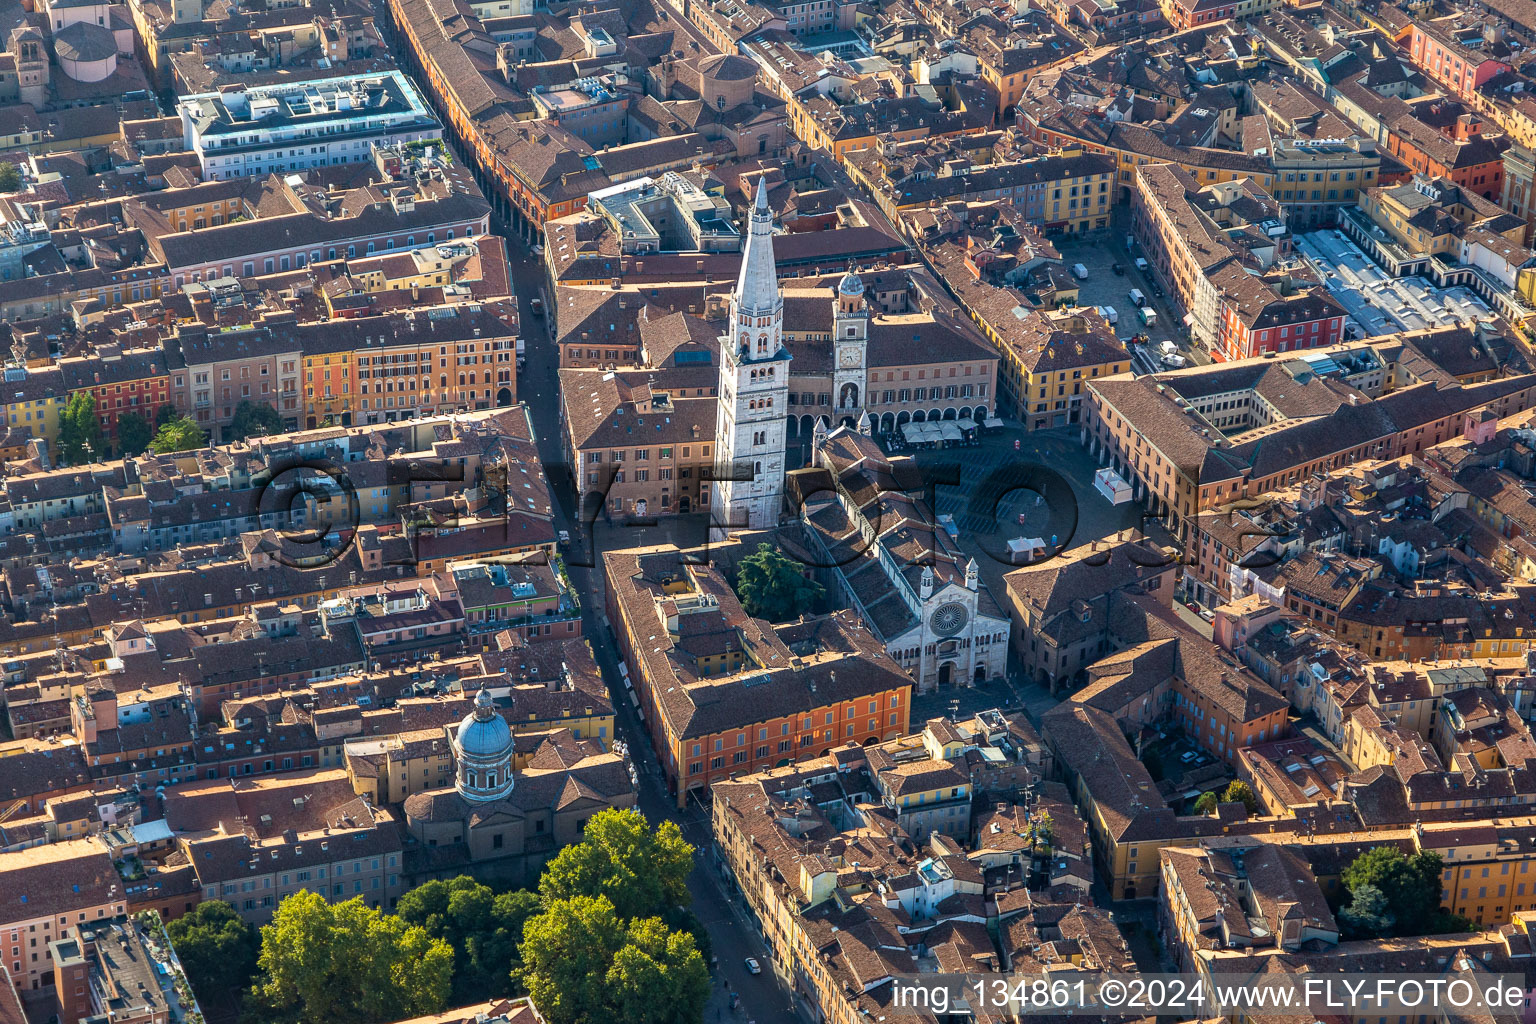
[(658, 976), (1368, 915), (482, 927), (583, 965), (10, 177), (642, 873), (134, 433), (1411, 886), (164, 415), (217, 949), (181, 434), (566, 952), (1206, 803), (771, 585), (254, 419), (1238, 792), (349, 964), (80, 438)]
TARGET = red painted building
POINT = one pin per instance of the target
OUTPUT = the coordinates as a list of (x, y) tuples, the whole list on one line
[(132, 380), (1182, 14), (1259, 316), (1455, 149)]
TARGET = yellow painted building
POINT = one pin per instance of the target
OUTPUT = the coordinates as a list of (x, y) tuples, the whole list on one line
[(34, 402)]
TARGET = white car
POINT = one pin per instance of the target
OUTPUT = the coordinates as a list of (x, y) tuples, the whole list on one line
[(753, 967)]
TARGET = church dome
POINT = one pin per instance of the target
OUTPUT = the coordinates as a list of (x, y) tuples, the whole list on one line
[(851, 284), (484, 734)]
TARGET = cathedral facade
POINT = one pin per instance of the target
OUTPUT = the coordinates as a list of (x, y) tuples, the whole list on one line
[(882, 554)]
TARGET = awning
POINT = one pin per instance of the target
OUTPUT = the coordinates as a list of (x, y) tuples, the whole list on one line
[(1189, 319), (950, 431), (991, 421), (1025, 547), (965, 423)]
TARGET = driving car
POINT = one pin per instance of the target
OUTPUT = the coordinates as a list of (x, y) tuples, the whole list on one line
[(753, 967)]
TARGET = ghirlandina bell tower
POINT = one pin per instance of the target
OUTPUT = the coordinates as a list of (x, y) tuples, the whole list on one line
[(750, 426)]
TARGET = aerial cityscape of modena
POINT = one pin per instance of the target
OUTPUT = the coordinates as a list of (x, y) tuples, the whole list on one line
[(766, 511)]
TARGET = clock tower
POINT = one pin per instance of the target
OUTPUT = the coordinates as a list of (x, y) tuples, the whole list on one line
[(750, 427), (850, 341)]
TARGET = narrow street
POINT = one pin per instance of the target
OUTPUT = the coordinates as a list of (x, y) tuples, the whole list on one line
[(765, 999)]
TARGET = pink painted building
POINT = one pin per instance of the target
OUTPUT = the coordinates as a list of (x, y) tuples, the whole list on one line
[(1459, 68)]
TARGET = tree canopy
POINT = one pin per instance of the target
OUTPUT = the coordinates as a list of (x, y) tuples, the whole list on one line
[(1368, 914), (1238, 792), (134, 433), (349, 964), (1410, 887), (616, 941), (80, 437), (771, 585), (584, 965), (181, 434), (254, 419), (1206, 802), (643, 873), (484, 929), (10, 177), (658, 976), (216, 947)]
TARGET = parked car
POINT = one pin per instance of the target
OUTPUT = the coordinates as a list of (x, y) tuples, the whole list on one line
[(1148, 315), (1207, 615), (536, 306), (753, 967), (1142, 265), (1109, 314), (565, 536), (1130, 241), (1175, 361), (1079, 271), (1137, 298), (1119, 269)]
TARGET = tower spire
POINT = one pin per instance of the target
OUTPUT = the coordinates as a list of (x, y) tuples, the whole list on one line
[(757, 287)]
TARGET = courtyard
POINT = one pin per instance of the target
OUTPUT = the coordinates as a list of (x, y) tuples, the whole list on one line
[(1181, 769), (1103, 287)]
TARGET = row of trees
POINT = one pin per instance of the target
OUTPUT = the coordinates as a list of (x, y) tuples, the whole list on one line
[(82, 439), (607, 937)]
